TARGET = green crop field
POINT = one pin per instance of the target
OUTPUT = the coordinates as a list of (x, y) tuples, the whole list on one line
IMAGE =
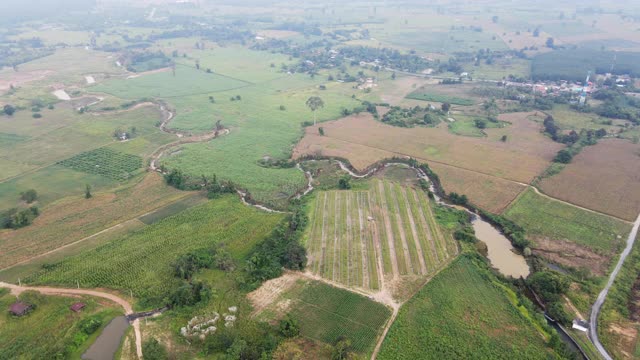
[(464, 125), (187, 81), (106, 162), (32, 336), (140, 261), (326, 313), (356, 235), (544, 217), (425, 96), (462, 314)]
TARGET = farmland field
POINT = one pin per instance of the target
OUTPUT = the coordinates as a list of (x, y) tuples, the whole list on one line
[(545, 217), (363, 141), (601, 177), (74, 218), (106, 162), (462, 313), (140, 261), (325, 313), (359, 237), (31, 337), (187, 81)]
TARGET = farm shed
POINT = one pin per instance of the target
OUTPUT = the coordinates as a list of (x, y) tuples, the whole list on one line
[(20, 308), (76, 307)]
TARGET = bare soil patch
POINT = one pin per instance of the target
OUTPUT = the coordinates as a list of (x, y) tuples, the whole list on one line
[(9, 77), (270, 291), (604, 177), (570, 254)]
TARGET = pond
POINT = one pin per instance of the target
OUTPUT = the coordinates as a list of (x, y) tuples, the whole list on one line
[(500, 251), (107, 344)]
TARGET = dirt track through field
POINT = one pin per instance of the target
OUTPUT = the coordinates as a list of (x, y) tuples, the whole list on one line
[(365, 268)]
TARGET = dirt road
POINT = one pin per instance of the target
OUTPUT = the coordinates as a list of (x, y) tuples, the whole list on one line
[(597, 306), (128, 309)]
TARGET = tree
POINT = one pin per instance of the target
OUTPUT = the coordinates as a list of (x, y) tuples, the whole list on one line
[(289, 327), (536, 32), (480, 123), (564, 156), (549, 43), (503, 138), (341, 349), (494, 19), (446, 107), (321, 130), (87, 192), (314, 103), (29, 196), (9, 109), (153, 350), (344, 183), (393, 76)]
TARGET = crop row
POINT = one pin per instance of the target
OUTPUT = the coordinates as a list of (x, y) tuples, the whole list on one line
[(106, 162)]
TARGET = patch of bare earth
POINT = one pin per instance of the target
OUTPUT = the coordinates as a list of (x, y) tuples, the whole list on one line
[(270, 292), (570, 254)]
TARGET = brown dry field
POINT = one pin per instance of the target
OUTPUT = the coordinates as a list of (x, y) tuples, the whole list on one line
[(72, 219), (363, 141), (604, 177), (570, 254), (490, 193)]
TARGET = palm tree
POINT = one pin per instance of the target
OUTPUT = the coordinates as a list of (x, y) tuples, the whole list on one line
[(314, 103)]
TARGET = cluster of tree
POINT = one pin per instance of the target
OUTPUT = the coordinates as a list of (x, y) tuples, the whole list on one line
[(277, 163), (189, 293), (14, 53), (153, 350), (29, 196), (219, 33), (573, 64), (409, 117), (344, 183), (386, 58), (465, 233), (15, 218), (550, 286), (8, 109), (511, 230), (212, 185), (190, 263), (138, 61), (573, 139), (458, 199), (247, 339), (281, 249), (617, 105), (121, 134)]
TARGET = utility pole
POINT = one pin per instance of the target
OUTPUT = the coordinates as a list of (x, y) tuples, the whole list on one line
[(78, 283)]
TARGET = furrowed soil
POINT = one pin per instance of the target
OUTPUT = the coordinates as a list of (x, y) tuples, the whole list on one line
[(602, 177)]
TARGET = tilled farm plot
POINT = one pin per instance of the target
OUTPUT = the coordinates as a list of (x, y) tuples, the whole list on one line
[(362, 238)]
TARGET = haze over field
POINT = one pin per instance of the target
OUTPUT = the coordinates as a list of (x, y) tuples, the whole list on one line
[(259, 179)]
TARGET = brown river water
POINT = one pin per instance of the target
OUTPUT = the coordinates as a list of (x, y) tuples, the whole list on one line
[(500, 251), (106, 345)]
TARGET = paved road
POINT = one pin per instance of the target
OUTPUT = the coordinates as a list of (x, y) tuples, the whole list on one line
[(16, 290), (595, 310)]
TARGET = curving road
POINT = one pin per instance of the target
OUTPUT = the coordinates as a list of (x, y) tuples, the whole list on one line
[(597, 306)]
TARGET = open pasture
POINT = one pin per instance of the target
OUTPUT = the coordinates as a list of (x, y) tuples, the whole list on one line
[(187, 81), (358, 238), (462, 313), (602, 177), (325, 313), (140, 261)]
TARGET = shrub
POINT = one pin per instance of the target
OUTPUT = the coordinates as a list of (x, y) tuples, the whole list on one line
[(153, 350)]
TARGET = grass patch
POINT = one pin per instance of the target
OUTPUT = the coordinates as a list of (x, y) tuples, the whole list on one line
[(541, 216), (31, 336), (426, 96), (187, 81)]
